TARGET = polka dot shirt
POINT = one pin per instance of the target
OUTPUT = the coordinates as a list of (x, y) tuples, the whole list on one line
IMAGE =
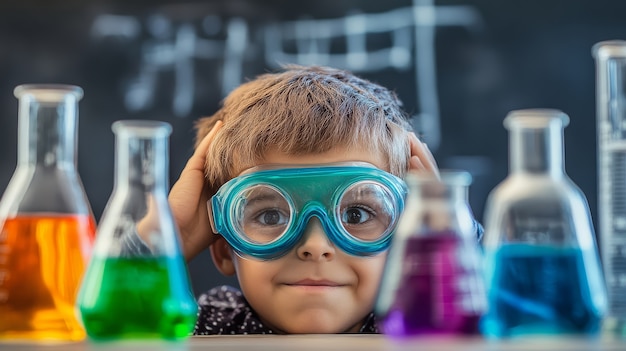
[(224, 310)]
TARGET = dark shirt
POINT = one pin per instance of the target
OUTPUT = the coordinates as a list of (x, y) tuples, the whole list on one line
[(224, 310)]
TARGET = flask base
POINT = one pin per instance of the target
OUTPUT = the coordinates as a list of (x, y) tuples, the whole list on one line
[(614, 327), (45, 325)]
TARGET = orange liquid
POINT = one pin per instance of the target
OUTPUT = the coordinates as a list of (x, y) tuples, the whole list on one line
[(42, 261)]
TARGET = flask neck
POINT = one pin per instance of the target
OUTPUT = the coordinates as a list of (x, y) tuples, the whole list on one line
[(536, 142), (48, 125), (440, 191), (142, 157), (440, 205)]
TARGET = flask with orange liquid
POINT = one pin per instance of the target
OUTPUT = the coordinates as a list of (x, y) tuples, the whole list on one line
[(46, 224)]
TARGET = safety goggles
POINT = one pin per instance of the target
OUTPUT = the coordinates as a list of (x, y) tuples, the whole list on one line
[(263, 212)]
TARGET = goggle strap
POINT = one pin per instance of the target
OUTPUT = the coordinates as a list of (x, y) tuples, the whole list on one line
[(209, 206)]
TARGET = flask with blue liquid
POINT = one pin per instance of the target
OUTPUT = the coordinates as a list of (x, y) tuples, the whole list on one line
[(542, 267)]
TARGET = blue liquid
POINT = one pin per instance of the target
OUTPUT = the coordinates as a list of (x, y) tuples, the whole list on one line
[(539, 290)]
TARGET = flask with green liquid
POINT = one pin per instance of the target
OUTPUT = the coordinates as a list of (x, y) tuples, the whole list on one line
[(136, 285)]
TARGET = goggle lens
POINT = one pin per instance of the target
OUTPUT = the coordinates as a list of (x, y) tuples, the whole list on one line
[(263, 214), (366, 211)]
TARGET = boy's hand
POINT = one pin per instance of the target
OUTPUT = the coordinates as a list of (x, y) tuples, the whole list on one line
[(188, 199), (422, 159)]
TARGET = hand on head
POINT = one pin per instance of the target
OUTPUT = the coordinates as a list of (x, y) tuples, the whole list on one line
[(188, 199), (422, 159)]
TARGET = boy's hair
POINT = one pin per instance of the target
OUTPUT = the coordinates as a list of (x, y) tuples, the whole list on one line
[(304, 110)]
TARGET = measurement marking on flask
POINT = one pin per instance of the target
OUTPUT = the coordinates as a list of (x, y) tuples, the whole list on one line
[(618, 240), (612, 207), (619, 223), (4, 273)]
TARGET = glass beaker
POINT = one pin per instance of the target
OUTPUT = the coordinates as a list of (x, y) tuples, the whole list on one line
[(47, 226), (610, 58), (136, 285), (432, 282), (542, 268)]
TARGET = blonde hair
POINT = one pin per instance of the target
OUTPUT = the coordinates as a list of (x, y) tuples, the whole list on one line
[(304, 110)]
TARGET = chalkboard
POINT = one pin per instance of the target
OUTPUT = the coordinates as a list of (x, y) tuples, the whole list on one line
[(458, 67)]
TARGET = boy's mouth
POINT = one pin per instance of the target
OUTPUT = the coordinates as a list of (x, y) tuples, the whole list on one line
[(315, 282)]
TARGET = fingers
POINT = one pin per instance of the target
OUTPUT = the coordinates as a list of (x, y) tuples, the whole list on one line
[(421, 157), (197, 160)]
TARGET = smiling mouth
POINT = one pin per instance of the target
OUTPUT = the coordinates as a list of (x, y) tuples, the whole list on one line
[(315, 283)]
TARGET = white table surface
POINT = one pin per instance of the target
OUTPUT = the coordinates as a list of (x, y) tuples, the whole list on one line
[(330, 342)]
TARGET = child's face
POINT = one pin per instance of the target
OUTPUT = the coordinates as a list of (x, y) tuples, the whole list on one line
[(316, 287)]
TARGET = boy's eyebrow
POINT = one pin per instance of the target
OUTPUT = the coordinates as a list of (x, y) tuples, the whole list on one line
[(258, 196), (270, 166), (366, 192)]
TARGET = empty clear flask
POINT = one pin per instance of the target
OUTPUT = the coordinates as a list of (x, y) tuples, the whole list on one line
[(610, 57), (47, 227), (137, 285), (542, 268), (432, 283)]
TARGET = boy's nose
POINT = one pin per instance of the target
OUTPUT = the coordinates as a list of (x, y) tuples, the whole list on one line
[(314, 244)]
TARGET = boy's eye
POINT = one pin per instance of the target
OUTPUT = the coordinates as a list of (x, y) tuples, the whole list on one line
[(355, 215), (271, 217)]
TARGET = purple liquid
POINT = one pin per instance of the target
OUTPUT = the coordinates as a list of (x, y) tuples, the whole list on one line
[(439, 292)]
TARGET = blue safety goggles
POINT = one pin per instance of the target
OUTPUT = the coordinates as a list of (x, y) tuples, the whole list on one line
[(263, 212)]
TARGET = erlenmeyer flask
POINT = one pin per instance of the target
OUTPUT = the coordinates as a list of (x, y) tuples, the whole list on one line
[(432, 283), (542, 267), (47, 227), (137, 285)]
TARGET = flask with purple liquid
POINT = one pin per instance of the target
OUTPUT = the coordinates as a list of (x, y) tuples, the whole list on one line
[(432, 283)]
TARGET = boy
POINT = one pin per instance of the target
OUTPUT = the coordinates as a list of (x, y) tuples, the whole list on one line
[(275, 156)]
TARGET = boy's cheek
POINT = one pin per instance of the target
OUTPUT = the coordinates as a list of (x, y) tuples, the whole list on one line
[(372, 268)]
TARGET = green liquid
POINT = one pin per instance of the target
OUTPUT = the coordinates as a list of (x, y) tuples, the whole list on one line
[(137, 298)]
